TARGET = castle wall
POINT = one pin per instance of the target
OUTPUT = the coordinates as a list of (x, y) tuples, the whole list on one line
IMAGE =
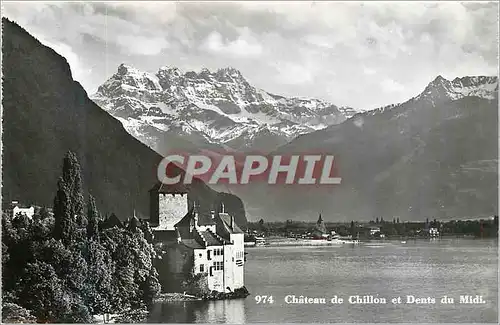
[(173, 267), (216, 277), (236, 270)]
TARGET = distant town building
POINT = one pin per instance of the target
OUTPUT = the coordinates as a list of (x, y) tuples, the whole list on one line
[(196, 243), (320, 229), (433, 232), (18, 209), (374, 230)]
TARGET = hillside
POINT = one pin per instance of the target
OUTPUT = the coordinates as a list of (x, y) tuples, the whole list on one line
[(435, 155), (46, 113)]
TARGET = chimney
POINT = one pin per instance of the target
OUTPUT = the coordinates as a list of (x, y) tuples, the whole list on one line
[(195, 218), (222, 207), (179, 239), (232, 222)]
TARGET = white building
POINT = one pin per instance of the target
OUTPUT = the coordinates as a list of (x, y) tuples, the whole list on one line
[(433, 232), (207, 245), (29, 212)]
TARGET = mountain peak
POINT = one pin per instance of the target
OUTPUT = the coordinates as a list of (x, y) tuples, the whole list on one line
[(217, 107), (229, 74), (440, 78), (172, 71), (443, 89), (125, 68)]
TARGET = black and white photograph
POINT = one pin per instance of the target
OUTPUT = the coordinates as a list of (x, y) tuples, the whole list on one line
[(244, 162)]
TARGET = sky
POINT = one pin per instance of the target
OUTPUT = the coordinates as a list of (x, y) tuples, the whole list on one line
[(358, 54)]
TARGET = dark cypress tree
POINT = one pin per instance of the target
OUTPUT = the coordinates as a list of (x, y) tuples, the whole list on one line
[(70, 220), (93, 220), (73, 178), (64, 225)]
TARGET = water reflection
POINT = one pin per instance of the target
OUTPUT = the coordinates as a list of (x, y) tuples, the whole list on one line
[(448, 267), (222, 311)]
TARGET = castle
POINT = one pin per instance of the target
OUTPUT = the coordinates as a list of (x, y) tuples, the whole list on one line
[(208, 247)]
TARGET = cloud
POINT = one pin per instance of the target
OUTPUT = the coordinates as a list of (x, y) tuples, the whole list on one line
[(293, 74), (243, 46), (391, 86), (142, 45), (369, 71), (358, 54)]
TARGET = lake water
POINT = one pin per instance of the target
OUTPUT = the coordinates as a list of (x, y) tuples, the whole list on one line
[(389, 269)]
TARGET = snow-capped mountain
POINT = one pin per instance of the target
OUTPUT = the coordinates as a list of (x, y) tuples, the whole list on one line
[(433, 155), (440, 90), (219, 108)]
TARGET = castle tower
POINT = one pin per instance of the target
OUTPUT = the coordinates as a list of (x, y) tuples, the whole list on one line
[(167, 206)]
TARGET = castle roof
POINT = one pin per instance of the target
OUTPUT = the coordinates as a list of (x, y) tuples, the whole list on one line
[(212, 239), (192, 243), (111, 222), (178, 188), (186, 220), (225, 226), (205, 220)]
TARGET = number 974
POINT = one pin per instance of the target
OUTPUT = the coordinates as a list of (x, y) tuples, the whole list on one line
[(264, 299)]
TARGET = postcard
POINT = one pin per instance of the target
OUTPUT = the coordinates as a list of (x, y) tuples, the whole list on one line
[(249, 162)]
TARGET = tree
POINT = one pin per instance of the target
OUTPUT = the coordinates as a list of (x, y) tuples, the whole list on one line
[(376, 221), (63, 268), (97, 293), (64, 226), (13, 313), (70, 221), (93, 220), (73, 179), (41, 290)]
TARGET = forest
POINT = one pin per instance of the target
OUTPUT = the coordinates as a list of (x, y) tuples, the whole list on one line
[(70, 264)]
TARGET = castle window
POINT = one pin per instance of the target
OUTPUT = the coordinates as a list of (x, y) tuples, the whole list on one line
[(208, 255), (202, 268), (219, 266)]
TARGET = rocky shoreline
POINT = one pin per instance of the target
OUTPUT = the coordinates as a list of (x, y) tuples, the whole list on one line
[(214, 295), (236, 294)]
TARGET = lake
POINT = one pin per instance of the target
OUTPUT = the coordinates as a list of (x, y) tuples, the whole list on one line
[(386, 269)]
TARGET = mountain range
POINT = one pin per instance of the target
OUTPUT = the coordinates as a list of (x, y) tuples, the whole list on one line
[(433, 156), (46, 114), (217, 110)]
